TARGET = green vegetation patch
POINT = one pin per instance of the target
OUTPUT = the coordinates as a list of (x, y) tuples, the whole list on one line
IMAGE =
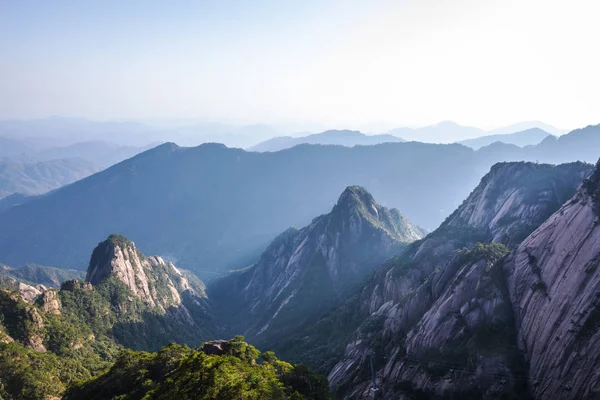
[(178, 372)]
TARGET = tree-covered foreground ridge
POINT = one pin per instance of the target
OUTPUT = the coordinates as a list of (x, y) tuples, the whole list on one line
[(45, 355), (224, 370), (92, 339)]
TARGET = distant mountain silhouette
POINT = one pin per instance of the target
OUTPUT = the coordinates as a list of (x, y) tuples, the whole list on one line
[(31, 178), (443, 132), (33, 166), (528, 137), (211, 208), (101, 154), (10, 147), (525, 125), (61, 132), (450, 132), (338, 137)]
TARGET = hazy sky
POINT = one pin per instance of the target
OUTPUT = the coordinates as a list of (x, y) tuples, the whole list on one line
[(478, 62)]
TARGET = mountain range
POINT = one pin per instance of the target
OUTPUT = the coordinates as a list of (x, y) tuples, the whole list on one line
[(62, 131), (529, 137), (482, 307), (103, 144), (253, 196), (456, 315), (31, 178), (30, 168), (335, 137), (444, 132)]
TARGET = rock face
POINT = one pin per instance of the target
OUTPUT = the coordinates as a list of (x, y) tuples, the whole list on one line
[(306, 272), (158, 300), (29, 293), (439, 317), (49, 301), (157, 283), (513, 199), (554, 284), (214, 347), (21, 321)]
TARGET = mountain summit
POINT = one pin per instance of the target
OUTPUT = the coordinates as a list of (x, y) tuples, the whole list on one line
[(442, 312), (150, 278), (306, 272)]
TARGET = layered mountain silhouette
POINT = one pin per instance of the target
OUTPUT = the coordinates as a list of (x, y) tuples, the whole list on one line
[(212, 208), (529, 137), (336, 137), (31, 178)]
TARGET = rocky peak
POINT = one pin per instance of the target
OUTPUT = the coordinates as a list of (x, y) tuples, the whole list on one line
[(305, 272), (514, 198), (357, 209), (356, 201), (153, 280), (356, 196), (440, 305), (50, 302)]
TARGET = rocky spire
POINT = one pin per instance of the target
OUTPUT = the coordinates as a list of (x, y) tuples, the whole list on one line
[(305, 272), (156, 282)]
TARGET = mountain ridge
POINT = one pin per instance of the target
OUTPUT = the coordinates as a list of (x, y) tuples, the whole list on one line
[(331, 137), (528, 137), (254, 197), (305, 272), (447, 297)]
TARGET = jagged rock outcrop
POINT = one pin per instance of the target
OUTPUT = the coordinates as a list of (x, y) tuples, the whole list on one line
[(214, 347), (160, 301), (29, 293), (306, 272), (157, 283), (513, 198), (21, 320), (554, 284), (49, 301), (439, 316)]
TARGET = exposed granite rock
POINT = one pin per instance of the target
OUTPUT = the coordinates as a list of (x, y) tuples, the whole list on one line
[(4, 337), (22, 320), (28, 292), (49, 301), (306, 272), (554, 284), (157, 283), (166, 303), (35, 339), (513, 199), (214, 347), (431, 302)]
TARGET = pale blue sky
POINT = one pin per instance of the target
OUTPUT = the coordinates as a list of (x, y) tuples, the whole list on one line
[(478, 62)]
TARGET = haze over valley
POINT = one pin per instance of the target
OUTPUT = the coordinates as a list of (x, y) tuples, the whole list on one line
[(299, 200)]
